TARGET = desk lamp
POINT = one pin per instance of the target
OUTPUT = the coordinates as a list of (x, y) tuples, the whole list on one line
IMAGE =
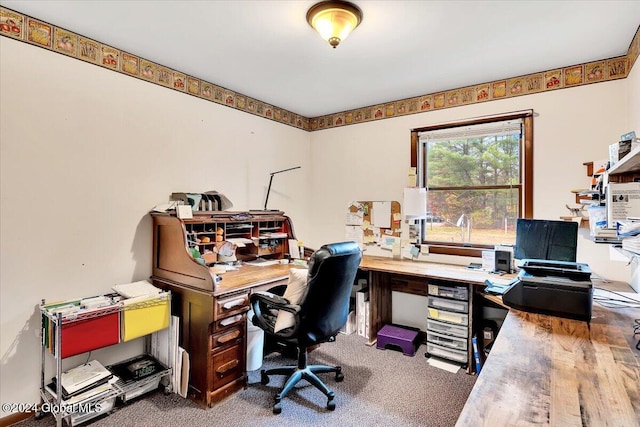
[(266, 199)]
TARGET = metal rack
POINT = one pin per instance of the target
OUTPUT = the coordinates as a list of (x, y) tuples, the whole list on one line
[(77, 411)]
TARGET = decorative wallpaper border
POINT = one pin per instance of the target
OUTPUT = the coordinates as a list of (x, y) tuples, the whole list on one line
[(39, 33)]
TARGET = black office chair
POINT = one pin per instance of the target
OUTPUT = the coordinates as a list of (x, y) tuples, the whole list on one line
[(319, 315)]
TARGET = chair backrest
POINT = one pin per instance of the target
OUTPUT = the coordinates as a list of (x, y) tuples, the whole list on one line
[(324, 307)]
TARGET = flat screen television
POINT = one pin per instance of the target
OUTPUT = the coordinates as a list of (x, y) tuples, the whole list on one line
[(546, 239)]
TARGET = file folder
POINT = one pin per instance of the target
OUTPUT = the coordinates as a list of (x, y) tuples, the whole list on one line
[(90, 334)]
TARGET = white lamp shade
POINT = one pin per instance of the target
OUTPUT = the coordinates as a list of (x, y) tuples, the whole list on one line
[(415, 202)]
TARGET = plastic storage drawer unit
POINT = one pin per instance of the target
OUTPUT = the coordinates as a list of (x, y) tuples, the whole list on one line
[(447, 340), (449, 304), (448, 316), (76, 418), (447, 328), (448, 353), (455, 292)]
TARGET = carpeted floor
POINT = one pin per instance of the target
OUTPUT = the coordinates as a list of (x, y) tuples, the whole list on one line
[(380, 388)]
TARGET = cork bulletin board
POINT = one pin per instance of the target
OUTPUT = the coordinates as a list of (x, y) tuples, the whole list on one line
[(369, 222)]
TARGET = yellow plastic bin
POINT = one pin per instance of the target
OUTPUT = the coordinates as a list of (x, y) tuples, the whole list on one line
[(144, 315)]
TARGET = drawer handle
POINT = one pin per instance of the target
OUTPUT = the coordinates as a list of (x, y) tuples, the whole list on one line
[(230, 320), (227, 367), (228, 337), (235, 303)]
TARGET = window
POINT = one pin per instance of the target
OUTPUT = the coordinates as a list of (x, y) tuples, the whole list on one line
[(478, 176)]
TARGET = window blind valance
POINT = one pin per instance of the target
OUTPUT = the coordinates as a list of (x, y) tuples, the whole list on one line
[(509, 127)]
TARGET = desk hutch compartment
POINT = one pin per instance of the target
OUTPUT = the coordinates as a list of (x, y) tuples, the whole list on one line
[(447, 353), (455, 292), (449, 304), (447, 328), (448, 316), (447, 340)]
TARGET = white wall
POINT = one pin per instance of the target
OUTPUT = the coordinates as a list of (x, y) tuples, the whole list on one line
[(369, 161), (85, 154)]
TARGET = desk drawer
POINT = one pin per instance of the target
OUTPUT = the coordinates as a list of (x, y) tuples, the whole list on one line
[(409, 285), (448, 316), (449, 304), (228, 322), (456, 292), (228, 365), (224, 307), (447, 328), (447, 340), (447, 353), (233, 335)]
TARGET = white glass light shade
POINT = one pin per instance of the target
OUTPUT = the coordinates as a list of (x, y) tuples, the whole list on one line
[(334, 20)]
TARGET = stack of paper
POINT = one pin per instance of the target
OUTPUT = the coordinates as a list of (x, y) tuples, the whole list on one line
[(631, 244), (84, 378), (606, 235), (629, 227), (137, 289)]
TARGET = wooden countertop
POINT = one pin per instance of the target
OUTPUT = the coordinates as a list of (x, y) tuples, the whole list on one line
[(458, 273), (546, 370)]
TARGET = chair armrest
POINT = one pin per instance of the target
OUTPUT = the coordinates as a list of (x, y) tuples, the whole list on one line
[(262, 304)]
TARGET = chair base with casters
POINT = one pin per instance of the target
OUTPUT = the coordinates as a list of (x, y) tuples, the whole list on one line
[(302, 371)]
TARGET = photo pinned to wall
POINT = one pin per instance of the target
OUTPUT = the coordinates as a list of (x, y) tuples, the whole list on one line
[(373, 223)]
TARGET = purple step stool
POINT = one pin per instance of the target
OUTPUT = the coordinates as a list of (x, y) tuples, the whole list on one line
[(406, 339)]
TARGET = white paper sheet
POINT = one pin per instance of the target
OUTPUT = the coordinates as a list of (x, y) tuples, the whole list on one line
[(355, 233), (381, 215)]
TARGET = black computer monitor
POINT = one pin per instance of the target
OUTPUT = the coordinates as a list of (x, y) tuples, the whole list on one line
[(545, 239)]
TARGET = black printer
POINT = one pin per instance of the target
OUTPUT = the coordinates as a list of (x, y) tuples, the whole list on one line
[(558, 288)]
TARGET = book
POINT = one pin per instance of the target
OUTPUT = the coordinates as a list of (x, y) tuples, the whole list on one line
[(476, 354)]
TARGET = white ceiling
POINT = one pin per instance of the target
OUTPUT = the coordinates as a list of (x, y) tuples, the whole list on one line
[(266, 50)]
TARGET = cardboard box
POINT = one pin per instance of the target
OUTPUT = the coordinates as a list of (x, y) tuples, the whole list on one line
[(487, 337)]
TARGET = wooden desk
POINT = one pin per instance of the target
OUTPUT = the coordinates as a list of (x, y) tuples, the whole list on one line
[(213, 319), (546, 370), (387, 275)]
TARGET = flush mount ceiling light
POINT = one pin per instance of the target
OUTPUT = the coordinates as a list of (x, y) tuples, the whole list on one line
[(334, 20)]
